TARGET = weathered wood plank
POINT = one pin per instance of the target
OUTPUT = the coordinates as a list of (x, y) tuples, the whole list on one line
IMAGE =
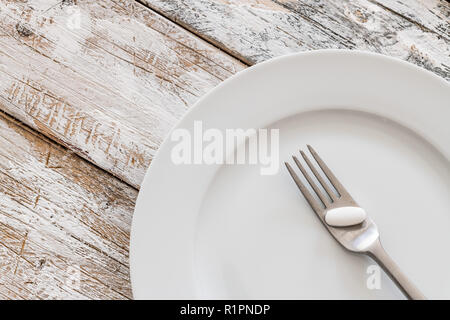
[(429, 15), (256, 30), (107, 79), (61, 219)]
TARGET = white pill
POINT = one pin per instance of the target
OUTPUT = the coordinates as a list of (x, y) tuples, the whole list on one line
[(345, 216)]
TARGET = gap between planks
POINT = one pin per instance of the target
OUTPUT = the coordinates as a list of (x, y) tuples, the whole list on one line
[(111, 91), (196, 32)]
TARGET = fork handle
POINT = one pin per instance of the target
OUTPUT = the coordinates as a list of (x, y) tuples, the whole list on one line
[(377, 253)]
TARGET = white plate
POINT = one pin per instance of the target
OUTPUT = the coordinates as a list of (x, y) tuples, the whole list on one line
[(382, 125)]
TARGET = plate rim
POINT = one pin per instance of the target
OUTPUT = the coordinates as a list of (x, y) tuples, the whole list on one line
[(195, 107)]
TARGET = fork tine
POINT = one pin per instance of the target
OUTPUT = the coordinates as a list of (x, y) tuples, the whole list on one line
[(322, 197), (334, 181), (312, 202), (319, 177)]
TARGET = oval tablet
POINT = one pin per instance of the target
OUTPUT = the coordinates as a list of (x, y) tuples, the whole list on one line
[(345, 216)]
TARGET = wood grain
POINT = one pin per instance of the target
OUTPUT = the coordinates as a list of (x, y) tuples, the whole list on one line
[(109, 88), (256, 30), (59, 216)]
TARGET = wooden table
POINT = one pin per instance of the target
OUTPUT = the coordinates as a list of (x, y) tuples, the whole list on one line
[(89, 89)]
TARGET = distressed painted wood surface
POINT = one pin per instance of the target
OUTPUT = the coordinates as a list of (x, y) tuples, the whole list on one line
[(106, 78), (256, 30), (64, 223), (111, 87)]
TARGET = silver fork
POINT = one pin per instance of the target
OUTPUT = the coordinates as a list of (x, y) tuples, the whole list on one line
[(360, 238)]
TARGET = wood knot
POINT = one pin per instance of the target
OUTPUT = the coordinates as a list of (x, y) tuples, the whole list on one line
[(360, 16), (68, 3), (41, 263), (23, 29)]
